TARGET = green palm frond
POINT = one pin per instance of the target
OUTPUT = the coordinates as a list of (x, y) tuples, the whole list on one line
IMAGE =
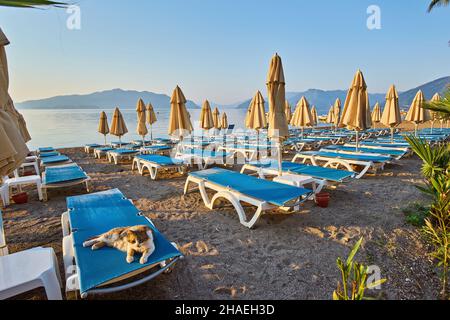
[(442, 108), (436, 3), (31, 3)]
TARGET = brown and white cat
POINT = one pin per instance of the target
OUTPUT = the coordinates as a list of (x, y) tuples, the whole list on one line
[(137, 239)]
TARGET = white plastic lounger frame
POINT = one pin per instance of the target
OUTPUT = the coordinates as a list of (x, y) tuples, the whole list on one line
[(152, 167), (336, 163), (235, 198), (117, 157), (86, 181), (72, 282), (98, 154)]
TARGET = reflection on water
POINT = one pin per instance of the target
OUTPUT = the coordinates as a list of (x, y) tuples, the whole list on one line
[(76, 127)]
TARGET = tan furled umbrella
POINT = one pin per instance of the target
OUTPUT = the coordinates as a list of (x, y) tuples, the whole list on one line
[(103, 127), (302, 116), (417, 114), (141, 117), (376, 114), (179, 122), (224, 121), (118, 126), (356, 113), (151, 119), (337, 113), (216, 119), (288, 111), (315, 117), (330, 116), (206, 117), (276, 88), (256, 119), (13, 133), (434, 114), (391, 115)]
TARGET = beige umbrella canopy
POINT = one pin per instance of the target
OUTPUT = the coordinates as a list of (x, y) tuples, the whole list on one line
[(206, 117), (141, 117), (118, 126), (288, 111), (216, 119), (315, 118), (337, 112), (356, 113), (302, 116), (13, 132), (391, 116), (276, 87), (179, 121), (151, 118), (417, 114), (376, 113), (224, 121), (330, 116), (256, 118), (103, 127), (435, 115)]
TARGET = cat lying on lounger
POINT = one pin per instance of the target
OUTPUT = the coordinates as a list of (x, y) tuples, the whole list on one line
[(137, 239)]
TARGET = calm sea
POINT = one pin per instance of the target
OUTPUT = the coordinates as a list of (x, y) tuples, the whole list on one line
[(77, 127)]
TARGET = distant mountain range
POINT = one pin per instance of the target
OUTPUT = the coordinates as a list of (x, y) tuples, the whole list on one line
[(105, 99), (324, 99), (127, 98)]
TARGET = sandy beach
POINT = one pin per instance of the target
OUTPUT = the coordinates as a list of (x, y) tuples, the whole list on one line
[(287, 256)]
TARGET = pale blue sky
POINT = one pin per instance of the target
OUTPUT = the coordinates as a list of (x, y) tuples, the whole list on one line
[(220, 49)]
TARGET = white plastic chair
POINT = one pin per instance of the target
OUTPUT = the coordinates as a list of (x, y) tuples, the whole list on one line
[(8, 183), (27, 270), (31, 162)]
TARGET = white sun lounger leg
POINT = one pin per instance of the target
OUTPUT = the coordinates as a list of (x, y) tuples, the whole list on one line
[(65, 224)]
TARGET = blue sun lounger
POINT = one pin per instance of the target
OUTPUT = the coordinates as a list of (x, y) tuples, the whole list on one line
[(154, 163), (63, 177), (117, 155), (46, 149), (106, 271), (396, 154), (156, 149), (236, 188), (89, 147), (271, 168), (101, 151), (335, 160), (49, 154), (55, 160), (202, 158)]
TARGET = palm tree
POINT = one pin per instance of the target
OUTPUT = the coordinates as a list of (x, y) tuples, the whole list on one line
[(442, 107), (30, 3), (436, 3)]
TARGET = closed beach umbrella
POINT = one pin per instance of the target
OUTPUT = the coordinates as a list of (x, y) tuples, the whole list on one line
[(179, 121), (435, 115), (216, 119), (376, 114), (288, 112), (356, 113), (103, 127), (417, 114), (302, 116), (118, 126), (151, 118), (337, 112), (330, 116), (315, 118), (276, 88), (141, 126), (391, 115), (206, 117), (256, 119), (13, 137), (224, 121)]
